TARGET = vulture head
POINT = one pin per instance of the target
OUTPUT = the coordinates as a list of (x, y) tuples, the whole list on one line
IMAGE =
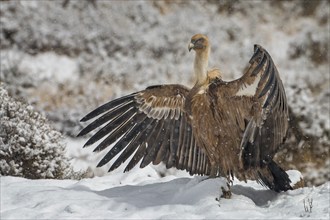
[(199, 43)]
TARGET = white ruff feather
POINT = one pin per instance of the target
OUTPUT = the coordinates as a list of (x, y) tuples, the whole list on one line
[(249, 90)]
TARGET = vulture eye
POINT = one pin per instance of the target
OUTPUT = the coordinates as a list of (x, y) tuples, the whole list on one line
[(200, 40)]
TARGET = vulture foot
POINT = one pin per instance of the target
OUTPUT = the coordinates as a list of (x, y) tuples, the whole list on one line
[(226, 193)]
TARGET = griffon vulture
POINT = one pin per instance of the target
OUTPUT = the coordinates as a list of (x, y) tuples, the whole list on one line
[(216, 128)]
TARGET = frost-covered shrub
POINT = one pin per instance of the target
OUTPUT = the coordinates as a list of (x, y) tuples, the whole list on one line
[(313, 121), (29, 147), (308, 143)]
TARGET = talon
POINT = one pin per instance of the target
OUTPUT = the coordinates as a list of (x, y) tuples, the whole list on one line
[(226, 193)]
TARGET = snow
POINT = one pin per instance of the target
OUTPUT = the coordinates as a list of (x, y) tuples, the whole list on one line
[(144, 194), (50, 66), (141, 194)]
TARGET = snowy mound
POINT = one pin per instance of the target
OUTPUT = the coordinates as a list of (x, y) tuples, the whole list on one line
[(131, 196)]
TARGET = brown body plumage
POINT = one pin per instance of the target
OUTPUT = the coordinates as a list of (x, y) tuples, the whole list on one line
[(215, 128)]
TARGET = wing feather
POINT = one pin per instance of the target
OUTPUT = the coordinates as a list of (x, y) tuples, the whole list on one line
[(153, 144), (268, 124), (128, 141), (147, 126), (108, 106), (118, 131), (162, 152), (259, 100), (113, 127), (182, 142), (112, 114), (173, 145)]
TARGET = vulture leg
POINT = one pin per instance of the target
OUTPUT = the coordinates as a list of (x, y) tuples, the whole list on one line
[(214, 170), (213, 173)]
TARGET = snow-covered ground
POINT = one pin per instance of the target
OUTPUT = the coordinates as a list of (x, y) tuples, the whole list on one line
[(142, 194), (153, 193)]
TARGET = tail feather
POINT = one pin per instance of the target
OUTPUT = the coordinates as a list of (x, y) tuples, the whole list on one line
[(280, 180)]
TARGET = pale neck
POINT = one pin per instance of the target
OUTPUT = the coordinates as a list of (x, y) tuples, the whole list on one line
[(201, 65)]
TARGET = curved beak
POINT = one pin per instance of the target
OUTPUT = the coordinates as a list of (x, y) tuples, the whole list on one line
[(191, 46)]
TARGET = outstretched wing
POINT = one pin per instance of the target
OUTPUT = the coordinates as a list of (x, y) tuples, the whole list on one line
[(152, 126), (260, 90)]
